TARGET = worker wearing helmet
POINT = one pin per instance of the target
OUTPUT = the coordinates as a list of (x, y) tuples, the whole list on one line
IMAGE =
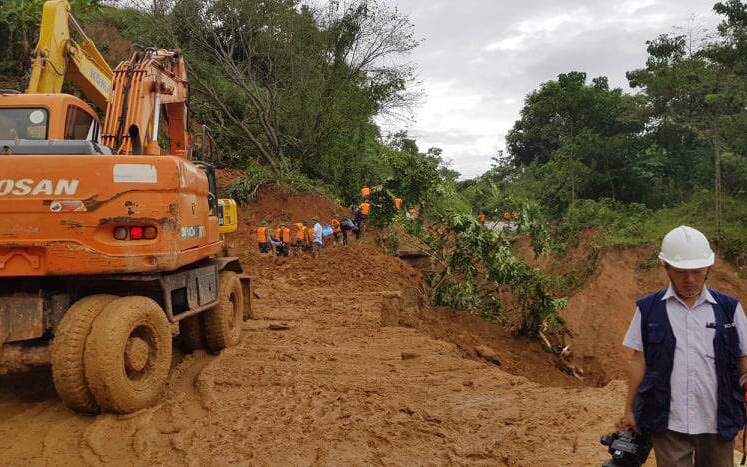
[(263, 238), (300, 236), (318, 238), (336, 229), (687, 375)]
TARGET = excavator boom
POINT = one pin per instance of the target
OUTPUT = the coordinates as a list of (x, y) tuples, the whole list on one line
[(59, 56), (151, 79)]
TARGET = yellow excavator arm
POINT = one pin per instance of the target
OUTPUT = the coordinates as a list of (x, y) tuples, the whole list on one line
[(58, 56)]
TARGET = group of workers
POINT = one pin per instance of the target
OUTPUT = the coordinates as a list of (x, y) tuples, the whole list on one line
[(312, 238), (307, 238)]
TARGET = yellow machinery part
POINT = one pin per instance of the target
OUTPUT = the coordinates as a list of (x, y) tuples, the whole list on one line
[(58, 57), (229, 220)]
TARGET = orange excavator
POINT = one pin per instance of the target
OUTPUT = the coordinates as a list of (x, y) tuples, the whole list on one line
[(109, 249)]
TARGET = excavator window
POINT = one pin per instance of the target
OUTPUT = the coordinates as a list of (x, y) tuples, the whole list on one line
[(23, 123), (79, 124), (212, 185)]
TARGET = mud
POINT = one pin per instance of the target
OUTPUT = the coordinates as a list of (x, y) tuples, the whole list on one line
[(336, 388), (340, 367)]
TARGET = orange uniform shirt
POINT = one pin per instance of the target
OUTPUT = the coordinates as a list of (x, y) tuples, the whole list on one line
[(336, 226), (365, 192), (365, 207), (397, 203), (262, 234), (300, 232), (283, 234)]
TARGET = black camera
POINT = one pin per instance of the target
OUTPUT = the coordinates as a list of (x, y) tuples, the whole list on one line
[(628, 449)]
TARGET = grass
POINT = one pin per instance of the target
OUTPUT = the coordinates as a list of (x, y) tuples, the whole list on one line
[(633, 224)]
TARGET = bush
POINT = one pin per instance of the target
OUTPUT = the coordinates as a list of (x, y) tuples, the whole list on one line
[(245, 188), (622, 223)]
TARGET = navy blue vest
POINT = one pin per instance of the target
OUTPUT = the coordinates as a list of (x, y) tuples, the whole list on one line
[(652, 403)]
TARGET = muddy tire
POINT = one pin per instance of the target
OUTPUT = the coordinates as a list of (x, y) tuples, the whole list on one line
[(192, 333), (128, 355), (68, 350), (223, 322)]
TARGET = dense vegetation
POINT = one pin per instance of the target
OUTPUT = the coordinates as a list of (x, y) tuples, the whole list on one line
[(672, 151), (290, 92)]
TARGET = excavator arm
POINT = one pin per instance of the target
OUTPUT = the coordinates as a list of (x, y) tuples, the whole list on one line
[(151, 80), (59, 57)]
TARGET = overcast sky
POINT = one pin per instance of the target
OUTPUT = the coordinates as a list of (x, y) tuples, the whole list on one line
[(479, 59)]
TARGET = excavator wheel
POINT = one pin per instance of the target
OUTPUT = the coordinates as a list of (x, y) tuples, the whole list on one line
[(223, 322), (128, 355), (192, 333), (68, 350)]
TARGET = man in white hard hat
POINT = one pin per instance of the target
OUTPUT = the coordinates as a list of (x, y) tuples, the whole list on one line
[(688, 371)]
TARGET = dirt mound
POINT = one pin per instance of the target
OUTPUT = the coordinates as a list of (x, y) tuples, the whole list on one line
[(275, 205), (516, 355), (359, 266)]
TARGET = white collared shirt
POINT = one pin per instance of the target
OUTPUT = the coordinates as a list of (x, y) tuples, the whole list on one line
[(694, 383)]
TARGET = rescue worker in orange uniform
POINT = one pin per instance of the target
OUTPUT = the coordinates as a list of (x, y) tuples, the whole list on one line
[(336, 229), (365, 192), (300, 237), (283, 235), (397, 203), (263, 238), (362, 217), (482, 218)]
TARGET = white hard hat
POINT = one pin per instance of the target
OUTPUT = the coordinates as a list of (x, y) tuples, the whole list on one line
[(686, 248)]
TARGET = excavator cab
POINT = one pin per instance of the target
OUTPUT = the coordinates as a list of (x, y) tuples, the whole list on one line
[(48, 123)]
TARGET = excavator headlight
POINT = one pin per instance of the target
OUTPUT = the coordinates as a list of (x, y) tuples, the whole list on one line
[(120, 233)]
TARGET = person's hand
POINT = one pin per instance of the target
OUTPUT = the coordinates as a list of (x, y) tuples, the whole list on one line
[(628, 421)]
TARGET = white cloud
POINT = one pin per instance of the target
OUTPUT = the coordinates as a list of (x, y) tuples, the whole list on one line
[(481, 57), (632, 6)]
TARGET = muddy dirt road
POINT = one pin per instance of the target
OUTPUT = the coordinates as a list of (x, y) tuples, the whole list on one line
[(335, 388)]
